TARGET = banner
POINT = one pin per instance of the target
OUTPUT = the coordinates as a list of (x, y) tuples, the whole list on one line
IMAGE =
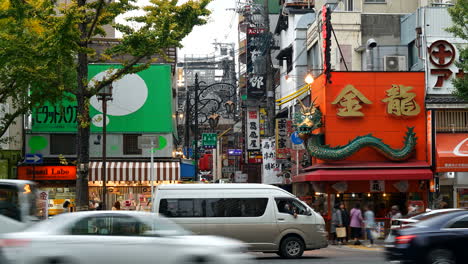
[(137, 98), (253, 129), (256, 62), (282, 140), (270, 168)]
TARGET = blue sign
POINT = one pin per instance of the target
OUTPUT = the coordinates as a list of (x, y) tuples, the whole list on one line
[(235, 152), (188, 152), (33, 158), (296, 139)]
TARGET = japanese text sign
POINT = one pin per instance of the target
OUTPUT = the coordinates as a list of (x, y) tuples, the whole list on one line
[(441, 66), (282, 138), (270, 168), (253, 129)]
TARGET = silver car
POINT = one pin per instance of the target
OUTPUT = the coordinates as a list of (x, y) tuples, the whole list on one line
[(117, 237)]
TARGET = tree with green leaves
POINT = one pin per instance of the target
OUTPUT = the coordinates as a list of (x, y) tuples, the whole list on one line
[(459, 14), (162, 25), (34, 67)]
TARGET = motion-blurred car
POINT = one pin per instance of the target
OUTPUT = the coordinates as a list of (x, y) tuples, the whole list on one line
[(116, 237), (436, 238), (401, 222)]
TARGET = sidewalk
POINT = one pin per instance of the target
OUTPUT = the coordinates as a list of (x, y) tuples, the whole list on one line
[(378, 245)]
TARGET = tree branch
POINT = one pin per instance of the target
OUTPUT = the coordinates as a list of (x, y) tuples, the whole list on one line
[(115, 76), (95, 20), (8, 119)]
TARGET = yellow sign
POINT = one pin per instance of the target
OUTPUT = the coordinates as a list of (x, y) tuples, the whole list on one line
[(350, 100), (400, 102)]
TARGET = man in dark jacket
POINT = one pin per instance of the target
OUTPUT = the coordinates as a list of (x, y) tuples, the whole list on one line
[(345, 220)]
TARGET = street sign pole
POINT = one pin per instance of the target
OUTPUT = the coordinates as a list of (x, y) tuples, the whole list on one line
[(152, 172), (150, 142)]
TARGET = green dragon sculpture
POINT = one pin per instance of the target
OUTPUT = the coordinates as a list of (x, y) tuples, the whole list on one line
[(310, 118)]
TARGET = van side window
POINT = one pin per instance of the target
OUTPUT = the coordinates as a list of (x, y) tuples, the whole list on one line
[(213, 207), (181, 208), (289, 206)]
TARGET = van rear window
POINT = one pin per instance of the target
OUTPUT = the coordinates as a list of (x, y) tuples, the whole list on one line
[(213, 207)]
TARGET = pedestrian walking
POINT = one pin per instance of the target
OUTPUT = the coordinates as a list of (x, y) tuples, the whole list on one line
[(394, 215), (369, 223), (356, 223), (345, 220), (336, 221)]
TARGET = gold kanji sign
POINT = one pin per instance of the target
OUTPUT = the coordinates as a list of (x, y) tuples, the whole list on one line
[(400, 102), (350, 100)]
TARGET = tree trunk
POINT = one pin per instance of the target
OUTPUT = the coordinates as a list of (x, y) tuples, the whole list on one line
[(82, 139)]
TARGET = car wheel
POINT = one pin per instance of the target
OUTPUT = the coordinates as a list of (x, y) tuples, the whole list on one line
[(441, 256), (292, 247)]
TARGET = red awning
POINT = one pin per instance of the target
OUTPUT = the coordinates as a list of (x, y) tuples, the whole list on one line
[(452, 152), (363, 175)]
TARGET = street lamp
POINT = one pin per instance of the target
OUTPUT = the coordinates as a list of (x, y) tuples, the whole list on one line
[(213, 120), (229, 105), (205, 97), (309, 78), (104, 95)]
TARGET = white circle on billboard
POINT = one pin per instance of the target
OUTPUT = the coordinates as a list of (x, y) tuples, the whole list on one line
[(129, 94)]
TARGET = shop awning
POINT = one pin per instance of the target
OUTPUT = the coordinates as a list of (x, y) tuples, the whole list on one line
[(452, 152), (135, 171), (363, 175)]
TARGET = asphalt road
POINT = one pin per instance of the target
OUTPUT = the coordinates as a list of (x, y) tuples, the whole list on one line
[(332, 254)]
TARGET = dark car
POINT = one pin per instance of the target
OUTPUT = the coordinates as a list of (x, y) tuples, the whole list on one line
[(436, 238)]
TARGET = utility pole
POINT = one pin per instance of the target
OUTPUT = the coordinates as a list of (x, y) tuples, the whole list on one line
[(270, 90), (196, 127)]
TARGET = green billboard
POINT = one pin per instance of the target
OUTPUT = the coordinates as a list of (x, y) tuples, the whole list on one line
[(142, 103)]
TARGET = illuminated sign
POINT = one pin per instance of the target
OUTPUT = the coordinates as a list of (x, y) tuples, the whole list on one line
[(40, 173)]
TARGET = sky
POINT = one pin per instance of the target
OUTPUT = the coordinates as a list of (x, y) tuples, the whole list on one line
[(221, 27)]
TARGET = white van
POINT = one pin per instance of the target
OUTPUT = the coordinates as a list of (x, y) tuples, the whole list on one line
[(266, 217)]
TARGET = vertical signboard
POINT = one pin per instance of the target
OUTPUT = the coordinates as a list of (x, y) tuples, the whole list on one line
[(263, 118), (326, 36), (442, 66), (281, 138), (256, 62), (253, 129), (270, 168)]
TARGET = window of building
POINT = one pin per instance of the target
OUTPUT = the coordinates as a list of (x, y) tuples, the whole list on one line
[(213, 207), (452, 120), (349, 5), (63, 144), (130, 142)]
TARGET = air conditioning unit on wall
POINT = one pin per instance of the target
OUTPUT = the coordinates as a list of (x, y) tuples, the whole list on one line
[(395, 63)]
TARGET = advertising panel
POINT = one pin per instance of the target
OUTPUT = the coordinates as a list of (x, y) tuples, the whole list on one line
[(256, 62), (141, 102), (282, 140), (47, 173), (270, 168), (387, 106), (253, 129)]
